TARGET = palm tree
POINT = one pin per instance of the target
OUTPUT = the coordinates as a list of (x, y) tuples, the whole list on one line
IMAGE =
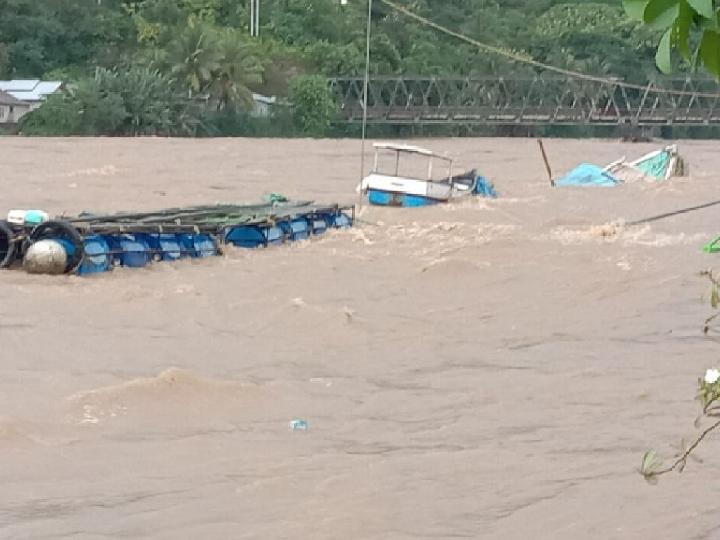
[(236, 69), (193, 57)]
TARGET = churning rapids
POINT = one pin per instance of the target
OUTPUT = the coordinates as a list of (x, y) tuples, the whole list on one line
[(492, 369)]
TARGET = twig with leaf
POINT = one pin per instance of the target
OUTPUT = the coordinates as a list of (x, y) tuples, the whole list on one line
[(708, 395)]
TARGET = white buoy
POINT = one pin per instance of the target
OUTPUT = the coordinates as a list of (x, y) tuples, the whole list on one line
[(45, 257)]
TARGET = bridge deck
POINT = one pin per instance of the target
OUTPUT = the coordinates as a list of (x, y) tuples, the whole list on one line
[(537, 101)]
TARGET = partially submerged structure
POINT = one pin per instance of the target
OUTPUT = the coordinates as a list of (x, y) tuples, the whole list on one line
[(388, 186), (657, 166), (91, 243)]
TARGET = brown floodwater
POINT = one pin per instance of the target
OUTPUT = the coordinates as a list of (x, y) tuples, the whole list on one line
[(490, 369)]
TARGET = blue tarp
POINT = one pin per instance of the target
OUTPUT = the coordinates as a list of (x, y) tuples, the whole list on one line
[(485, 188), (587, 174)]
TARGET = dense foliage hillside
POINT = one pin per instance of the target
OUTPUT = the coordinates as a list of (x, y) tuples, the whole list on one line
[(133, 65)]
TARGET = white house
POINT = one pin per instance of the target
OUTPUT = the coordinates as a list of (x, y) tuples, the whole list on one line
[(11, 109)]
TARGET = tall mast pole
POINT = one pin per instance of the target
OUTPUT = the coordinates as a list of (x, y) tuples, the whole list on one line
[(365, 89)]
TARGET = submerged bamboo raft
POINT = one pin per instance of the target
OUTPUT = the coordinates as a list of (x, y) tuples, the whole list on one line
[(92, 243)]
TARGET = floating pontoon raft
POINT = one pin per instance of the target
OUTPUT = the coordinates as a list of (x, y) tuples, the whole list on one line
[(90, 243)]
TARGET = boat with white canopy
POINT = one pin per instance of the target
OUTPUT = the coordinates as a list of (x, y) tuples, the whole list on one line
[(416, 176)]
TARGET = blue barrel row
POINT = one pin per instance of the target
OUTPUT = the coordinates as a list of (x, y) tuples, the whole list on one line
[(103, 252), (299, 228)]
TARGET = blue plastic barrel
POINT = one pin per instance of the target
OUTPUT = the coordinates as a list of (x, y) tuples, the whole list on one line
[(129, 250), (341, 220), (300, 229), (274, 234), (286, 229), (198, 245), (163, 247), (247, 236), (206, 245), (295, 229), (319, 223), (97, 255)]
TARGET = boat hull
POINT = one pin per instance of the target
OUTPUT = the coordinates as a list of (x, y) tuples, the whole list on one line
[(407, 192), (379, 197)]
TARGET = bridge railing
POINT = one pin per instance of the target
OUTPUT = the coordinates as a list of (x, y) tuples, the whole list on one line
[(528, 101)]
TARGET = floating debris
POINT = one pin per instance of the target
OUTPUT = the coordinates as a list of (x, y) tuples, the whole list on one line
[(659, 165), (713, 246), (298, 425)]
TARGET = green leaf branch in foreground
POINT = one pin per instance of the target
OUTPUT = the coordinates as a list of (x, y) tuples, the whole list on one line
[(709, 397), (692, 27), (708, 394)]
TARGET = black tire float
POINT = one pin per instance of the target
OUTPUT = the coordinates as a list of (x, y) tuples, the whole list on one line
[(8, 244)]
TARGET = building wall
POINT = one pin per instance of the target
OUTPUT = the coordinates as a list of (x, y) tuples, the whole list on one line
[(22, 110), (11, 114)]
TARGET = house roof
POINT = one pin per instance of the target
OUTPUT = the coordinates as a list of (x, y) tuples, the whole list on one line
[(30, 89), (7, 99), (22, 85)]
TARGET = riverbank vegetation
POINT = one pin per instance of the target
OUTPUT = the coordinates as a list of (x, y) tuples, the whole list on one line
[(190, 67)]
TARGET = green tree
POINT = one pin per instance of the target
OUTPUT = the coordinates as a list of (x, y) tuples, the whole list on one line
[(59, 115), (594, 35), (51, 34), (134, 101), (193, 56), (4, 60), (313, 104)]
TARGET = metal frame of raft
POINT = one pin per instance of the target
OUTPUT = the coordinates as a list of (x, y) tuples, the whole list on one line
[(97, 243)]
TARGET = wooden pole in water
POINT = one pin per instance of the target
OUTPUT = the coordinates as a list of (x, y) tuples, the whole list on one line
[(547, 163)]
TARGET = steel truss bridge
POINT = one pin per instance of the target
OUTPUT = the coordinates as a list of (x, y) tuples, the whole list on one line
[(527, 101)]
